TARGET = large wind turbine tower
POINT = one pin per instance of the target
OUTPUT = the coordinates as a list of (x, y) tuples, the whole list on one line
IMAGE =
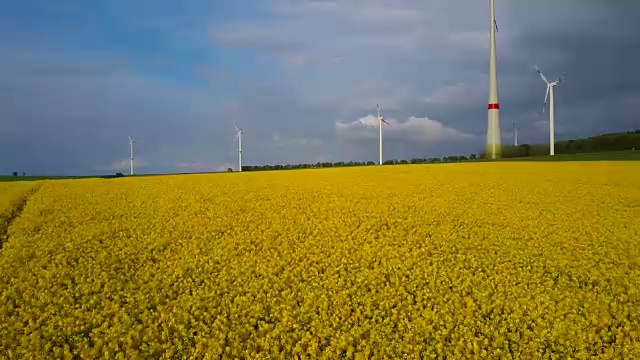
[(494, 134), (131, 142), (238, 137), (380, 121)]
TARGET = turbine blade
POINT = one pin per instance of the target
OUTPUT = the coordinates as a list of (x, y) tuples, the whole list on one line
[(384, 121), (546, 96), (496, 24), (542, 75), (235, 125), (562, 78)]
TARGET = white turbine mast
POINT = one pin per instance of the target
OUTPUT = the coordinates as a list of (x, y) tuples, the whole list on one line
[(380, 121), (494, 132), (515, 133), (238, 137), (131, 142), (550, 95)]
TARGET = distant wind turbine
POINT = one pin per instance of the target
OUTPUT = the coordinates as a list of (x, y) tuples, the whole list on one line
[(238, 137), (380, 121), (551, 96), (515, 133), (131, 142)]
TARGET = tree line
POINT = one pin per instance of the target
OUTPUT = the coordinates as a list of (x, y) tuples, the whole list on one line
[(621, 141), (327, 164), (601, 143)]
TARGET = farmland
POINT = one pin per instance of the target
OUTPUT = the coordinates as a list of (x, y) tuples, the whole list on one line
[(482, 260)]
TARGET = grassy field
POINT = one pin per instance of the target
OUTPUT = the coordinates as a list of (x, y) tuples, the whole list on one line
[(602, 156), (629, 155), (485, 260), (8, 178)]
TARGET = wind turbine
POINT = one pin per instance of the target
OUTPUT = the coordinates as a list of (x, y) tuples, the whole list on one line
[(238, 137), (550, 95), (494, 134), (380, 121), (515, 133), (131, 142)]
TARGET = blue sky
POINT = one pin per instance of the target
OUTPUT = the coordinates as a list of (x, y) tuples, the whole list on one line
[(300, 76)]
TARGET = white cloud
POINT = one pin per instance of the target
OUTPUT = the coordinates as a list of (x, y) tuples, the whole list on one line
[(416, 130)]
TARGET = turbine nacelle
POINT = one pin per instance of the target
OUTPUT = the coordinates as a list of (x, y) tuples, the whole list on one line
[(561, 79), (550, 85), (544, 78), (239, 133)]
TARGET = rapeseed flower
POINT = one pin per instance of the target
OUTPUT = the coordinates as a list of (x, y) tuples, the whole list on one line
[(485, 260)]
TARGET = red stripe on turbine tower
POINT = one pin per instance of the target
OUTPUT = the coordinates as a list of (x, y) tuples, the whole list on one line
[(494, 106)]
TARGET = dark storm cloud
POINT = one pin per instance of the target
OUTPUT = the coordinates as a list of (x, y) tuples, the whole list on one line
[(434, 53), (314, 64), (597, 47)]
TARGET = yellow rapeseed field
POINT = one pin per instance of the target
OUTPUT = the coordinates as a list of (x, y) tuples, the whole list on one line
[(12, 198), (485, 260)]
